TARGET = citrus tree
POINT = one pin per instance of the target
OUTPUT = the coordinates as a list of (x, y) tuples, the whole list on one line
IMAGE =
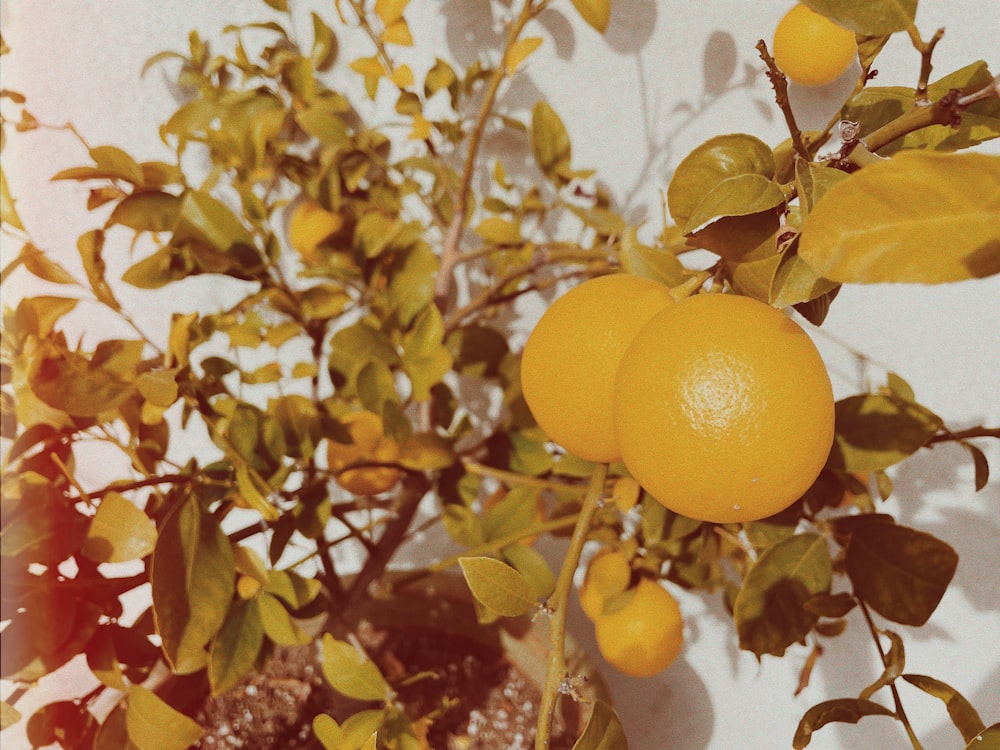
[(359, 364)]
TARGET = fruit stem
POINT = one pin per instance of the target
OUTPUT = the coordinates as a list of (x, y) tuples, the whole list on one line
[(557, 602)]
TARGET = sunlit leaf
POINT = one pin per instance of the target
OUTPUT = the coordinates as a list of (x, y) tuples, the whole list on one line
[(324, 51), (712, 163), (769, 611), (934, 221), (154, 725), (350, 672), (988, 739), (278, 623), (519, 52), (327, 731), (147, 211), (844, 710), (595, 12), (71, 383), (740, 195), (869, 17), (901, 572), (497, 586), (656, 263), (119, 532), (530, 563)]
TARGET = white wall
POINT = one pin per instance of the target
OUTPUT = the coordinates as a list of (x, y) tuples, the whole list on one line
[(635, 102)]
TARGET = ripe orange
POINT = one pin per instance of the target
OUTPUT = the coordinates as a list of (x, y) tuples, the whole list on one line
[(369, 445), (811, 49), (645, 635), (608, 573), (569, 361), (723, 409), (309, 225)]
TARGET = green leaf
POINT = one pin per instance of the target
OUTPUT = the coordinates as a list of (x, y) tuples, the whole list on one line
[(795, 282), (463, 524), (517, 511), (350, 672), (278, 624), (934, 221), (656, 263), (813, 181), (875, 431), (844, 710), (741, 195), (868, 17), (709, 165), (901, 572), (595, 12), (69, 382), (603, 731), (499, 231), (119, 532), (236, 646), (296, 590), (876, 106), (769, 611), (532, 565), (497, 586), (193, 582), (963, 715), (324, 50), (154, 725), (147, 211), (327, 731), (550, 142)]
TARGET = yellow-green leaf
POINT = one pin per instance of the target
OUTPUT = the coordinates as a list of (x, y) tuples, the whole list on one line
[(710, 164), (8, 715), (390, 11), (868, 17), (595, 12), (159, 387), (768, 610), (919, 217), (519, 51), (603, 731), (549, 140), (278, 624), (397, 32), (741, 195), (350, 672), (327, 731), (119, 532), (193, 583), (154, 725), (235, 648), (499, 231), (497, 586)]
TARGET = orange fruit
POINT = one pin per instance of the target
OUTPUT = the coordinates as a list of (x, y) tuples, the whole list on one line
[(645, 634), (569, 361), (608, 573), (723, 409), (310, 224), (811, 49), (369, 445)]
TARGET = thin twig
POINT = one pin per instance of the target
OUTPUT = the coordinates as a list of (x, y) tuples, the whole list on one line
[(780, 85), (900, 712), (556, 673)]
